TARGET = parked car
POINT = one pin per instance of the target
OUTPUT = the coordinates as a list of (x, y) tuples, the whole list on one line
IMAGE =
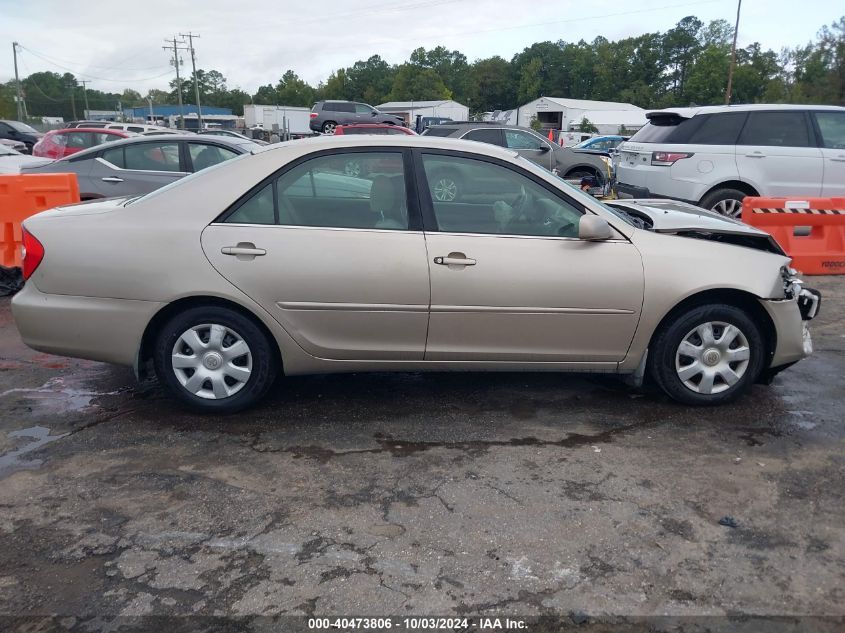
[(141, 164), (232, 134), (142, 128), (86, 124), (252, 268), (714, 156), (17, 131), (568, 163), (372, 128), (11, 160), (65, 142), (602, 143), (18, 146), (326, 115)]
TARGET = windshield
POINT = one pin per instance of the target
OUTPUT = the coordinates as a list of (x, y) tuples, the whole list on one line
[(181, 181), (21, 127), (586, 198)]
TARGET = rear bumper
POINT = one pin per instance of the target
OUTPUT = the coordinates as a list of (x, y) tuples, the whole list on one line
[(107, 330)]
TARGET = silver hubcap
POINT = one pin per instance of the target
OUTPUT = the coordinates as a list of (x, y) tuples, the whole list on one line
[(328, 128), (353, 168), (712, 358), (212, 361), (731, 208), (445, 190)]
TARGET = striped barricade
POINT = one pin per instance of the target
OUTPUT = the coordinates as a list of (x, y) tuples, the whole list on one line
[(810, 230)]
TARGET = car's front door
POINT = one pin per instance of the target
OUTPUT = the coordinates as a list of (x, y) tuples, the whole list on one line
[(831, 126), (135, 169), (529, 146), (511, 281), (339, 261), (778, 155)]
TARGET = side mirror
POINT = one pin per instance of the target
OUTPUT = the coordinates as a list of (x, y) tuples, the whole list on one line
[(374, 113), (544, 149), (592, 228)]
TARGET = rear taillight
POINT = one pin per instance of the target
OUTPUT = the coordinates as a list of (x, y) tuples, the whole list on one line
[(313, 115), (668, 158), (33, 253)]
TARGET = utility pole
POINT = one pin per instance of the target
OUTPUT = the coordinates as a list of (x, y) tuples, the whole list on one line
[(19, 99), (72, 86), (173, 44), (733, 57), (84, 83), (191, 37)]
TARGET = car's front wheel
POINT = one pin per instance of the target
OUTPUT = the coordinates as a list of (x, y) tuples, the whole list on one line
[(707, 355), (214, 359)]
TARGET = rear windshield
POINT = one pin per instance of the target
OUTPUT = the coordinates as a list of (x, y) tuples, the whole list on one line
[(665, 129), (439, 131)]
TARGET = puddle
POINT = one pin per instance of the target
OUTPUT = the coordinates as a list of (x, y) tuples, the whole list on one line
[(11, 462), (56, 396)]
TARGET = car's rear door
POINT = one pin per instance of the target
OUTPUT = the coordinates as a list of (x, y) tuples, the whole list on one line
[(778, 155), (511, 281), (339, 261), (831, 127), (137, 168)]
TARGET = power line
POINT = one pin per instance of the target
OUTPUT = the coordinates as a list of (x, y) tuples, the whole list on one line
[(72, 63), (71, 70)]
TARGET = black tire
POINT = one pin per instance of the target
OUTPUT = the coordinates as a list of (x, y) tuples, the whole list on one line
[(328, 125), (664, 363), (264, 359), (445, 187), (723, 202)]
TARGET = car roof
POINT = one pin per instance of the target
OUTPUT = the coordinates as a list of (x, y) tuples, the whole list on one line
[(746, 107), (98, 130), (170, 138)]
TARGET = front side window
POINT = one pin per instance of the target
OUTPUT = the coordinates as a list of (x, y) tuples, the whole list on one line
[(101, 137), (514, 139), (152, 156), (360, 108), (135, 129), (776, 129), (474, 196), (204, 155), (832, 127), (356, 190)]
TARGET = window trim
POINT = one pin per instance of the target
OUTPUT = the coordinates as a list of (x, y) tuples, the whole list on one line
[(430, 224), (415, 222)]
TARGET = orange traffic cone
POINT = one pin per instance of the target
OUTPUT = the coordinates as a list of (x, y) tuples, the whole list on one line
[(552, 135)]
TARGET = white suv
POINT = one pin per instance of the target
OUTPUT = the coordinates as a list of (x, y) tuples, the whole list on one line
[(714, 156)]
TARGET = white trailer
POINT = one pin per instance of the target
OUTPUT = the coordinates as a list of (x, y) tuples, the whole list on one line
[(266, 116)]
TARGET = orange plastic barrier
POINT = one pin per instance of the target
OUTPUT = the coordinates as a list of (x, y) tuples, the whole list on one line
[(23, 196), (819, 252)]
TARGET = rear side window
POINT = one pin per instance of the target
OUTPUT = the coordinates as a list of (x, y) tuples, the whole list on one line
[(442, 131), (776, 129), (718, 129), (667, 129), (80, 139), (337, 106), (492, 137), (258, 209), (832, 127), (115, 157)]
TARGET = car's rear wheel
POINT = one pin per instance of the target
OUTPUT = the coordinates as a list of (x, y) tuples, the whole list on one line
[(707, 355), (329, 127), (214, 359), (727, 202)]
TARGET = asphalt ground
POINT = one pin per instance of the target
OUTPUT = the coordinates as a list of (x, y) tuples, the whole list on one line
[(462, 495)]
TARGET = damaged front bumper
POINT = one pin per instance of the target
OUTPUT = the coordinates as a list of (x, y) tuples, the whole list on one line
[(791, 316)]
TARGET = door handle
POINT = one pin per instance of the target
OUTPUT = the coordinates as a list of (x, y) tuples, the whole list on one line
[(455, 259), (245, 250), (756, 155), (111, 179), (838, 159)]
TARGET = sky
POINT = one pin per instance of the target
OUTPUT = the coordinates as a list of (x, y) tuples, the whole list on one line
[(254, 43)]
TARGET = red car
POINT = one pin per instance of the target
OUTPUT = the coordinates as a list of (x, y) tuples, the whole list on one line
[(372, 128), (61, 143)]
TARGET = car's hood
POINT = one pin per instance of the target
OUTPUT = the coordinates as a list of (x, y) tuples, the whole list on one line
[(671, 220)]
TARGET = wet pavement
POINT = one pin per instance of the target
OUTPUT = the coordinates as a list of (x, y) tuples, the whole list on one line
[(449, 494)]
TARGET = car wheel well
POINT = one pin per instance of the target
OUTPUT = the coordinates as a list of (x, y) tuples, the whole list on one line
[(145, 352), (732, 297), (744, 187)]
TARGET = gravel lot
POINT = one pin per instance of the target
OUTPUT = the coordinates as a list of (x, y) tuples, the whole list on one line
[(449, 494)]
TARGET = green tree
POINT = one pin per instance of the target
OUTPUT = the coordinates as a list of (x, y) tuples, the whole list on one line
[(530, 81), (491, 85), (681, 46), (293, 91), (587, 126), (413, 83)]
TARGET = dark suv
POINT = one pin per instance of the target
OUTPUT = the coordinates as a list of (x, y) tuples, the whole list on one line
[(327, 115), (21, 132), (566, 162)]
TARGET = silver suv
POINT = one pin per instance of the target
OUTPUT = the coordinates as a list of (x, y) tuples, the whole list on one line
[(714, 156), (327, 115)]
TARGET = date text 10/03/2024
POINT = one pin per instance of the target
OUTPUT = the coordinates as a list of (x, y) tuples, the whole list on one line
[(418, 624)]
